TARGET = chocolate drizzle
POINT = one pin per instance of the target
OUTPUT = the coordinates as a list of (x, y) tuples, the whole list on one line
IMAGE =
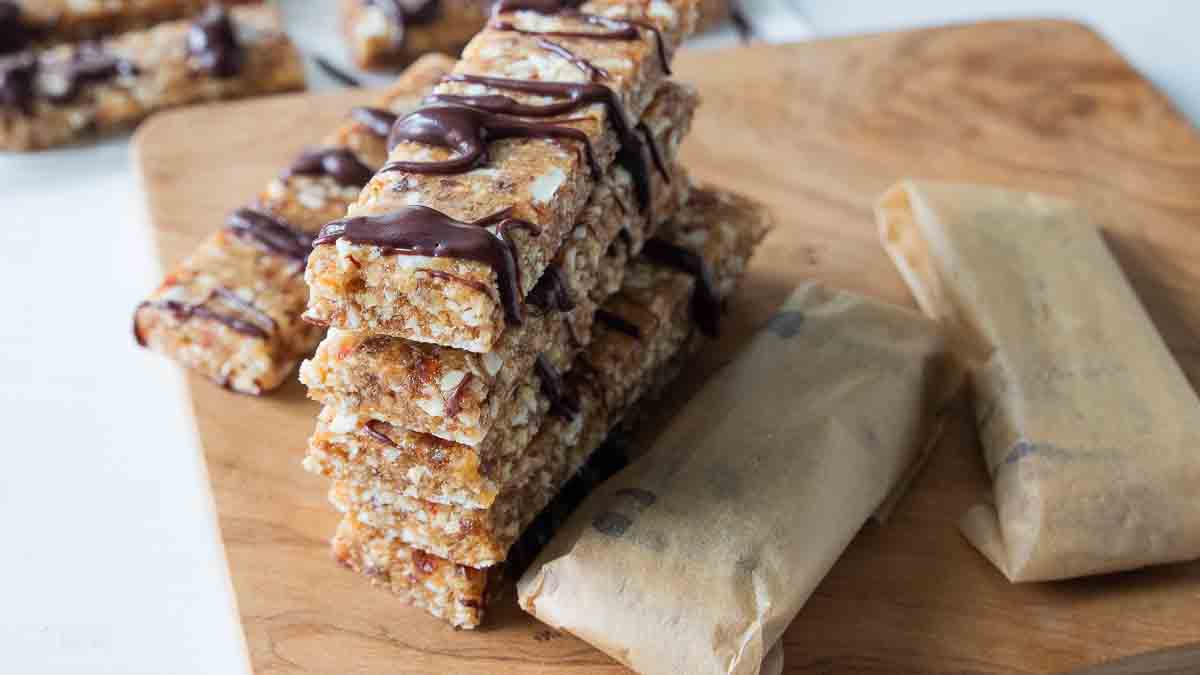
[(563, 403), (88, 64), (618, 323), (377, 120), (271, 233), (550, 293), (586, 67), (454, 403), (470, 283), (184, 311), (741, 25), (212, 44), (15, 35), (706, 302), (372, 427), (539, 6), (654, 153), (16, 82), (466, 130), (338, 163), (336, 73), (574, 95), (420, 230)]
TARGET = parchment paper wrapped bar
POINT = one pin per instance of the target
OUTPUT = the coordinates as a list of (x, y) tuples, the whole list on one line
[(73, 90), (231, 309), (1090, 430), (539, 169), (695, 558)]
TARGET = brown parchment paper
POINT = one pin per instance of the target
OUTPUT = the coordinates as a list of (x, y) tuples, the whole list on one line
[(1090, 430), (696, 557)]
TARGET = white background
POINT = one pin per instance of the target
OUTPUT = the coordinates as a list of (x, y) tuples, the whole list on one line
[(111, 562)]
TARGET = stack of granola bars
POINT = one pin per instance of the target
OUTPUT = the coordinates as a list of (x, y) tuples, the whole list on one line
[(529, 263)]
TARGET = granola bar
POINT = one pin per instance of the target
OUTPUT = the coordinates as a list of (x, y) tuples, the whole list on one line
[(614, 373), (389, 33), (349, 445), (27, 23), (541, 65), (231, 310), (457, 395), (73, 90), (645, 324)]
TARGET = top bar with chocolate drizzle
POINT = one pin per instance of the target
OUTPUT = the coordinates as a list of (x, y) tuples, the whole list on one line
[(542, 102)]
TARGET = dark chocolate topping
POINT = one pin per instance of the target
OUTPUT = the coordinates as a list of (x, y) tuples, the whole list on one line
[(16, 81), (618, 323), (454, 403), (563, 403), (706, 302), (272, 233), (575, 95), (420, 230), (632, 156), (550, 292), (467, 131), (572, 335), (409, 12), (618, 29), (658, 41), (654, 153), (260, 327), (374, 430), (602, 464), (337, 163), (14, 34), (539, 6), (336, 73), (627, 238), (588, 68), (234, 299), (89, 63), (377, 120), (212, 43), (471, 283), (741, 25)]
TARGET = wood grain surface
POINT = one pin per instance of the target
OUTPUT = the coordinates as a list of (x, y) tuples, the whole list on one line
[(818, 130)]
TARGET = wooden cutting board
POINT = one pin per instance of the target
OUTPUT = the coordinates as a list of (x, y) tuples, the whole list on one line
[(817, 130)]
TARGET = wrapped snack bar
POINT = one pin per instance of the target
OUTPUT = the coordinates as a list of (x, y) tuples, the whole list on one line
[(1090, 430), (823, 417)]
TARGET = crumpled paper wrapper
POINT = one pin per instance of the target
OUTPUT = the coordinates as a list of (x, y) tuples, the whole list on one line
[(1090, 430), (696, 557)]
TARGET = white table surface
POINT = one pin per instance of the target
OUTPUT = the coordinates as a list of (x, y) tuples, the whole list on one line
[(113, 564)]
